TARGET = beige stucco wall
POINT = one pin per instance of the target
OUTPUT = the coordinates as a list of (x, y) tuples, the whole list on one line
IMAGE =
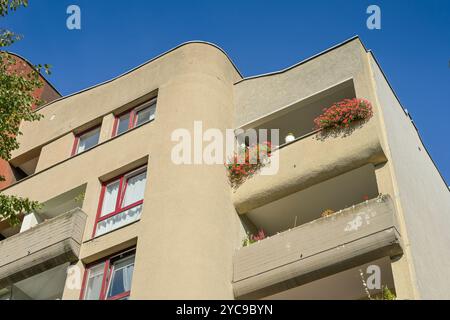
[(56, 151), (259, 96), (189, 228), (79, 109), (424, 198), (401, 269)]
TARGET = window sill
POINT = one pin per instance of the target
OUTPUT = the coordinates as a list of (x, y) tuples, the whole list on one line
[(110, 232)]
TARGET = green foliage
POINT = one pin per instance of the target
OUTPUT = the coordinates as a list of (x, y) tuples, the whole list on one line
[(11, 5), (387, 294), (251, 238), (80, 198), (17, 85), (247, 241), (16, 101), (8, 37), (12, 206)]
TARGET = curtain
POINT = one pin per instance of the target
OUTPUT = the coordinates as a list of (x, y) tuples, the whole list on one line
[(95, 282), (121, 276), (110, 197), (135, 189), (119, 220), (127, 276)]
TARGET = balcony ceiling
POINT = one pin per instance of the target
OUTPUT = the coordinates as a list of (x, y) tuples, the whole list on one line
[(307, 205), (345, 285), (47, 285)]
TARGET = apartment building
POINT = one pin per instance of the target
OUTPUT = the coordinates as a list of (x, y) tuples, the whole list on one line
[(121, 220)]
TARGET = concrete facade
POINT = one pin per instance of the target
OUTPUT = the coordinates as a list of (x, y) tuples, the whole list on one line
[(192, 223)]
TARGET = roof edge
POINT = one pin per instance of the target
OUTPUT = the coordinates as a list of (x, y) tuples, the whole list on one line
[(305, 60), (32, 66), (142, 65), (410, 118)]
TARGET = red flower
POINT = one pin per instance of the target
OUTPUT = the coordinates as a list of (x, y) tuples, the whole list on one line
[(342, 113), (246, 164)]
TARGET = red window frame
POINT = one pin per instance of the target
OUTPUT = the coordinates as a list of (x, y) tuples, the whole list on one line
[(107, 273), (133, 116), (120, 195), (77, 139)]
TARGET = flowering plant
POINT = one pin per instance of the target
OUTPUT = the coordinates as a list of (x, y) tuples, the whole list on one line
[(247, 162), (253, 238), (341, 114), (327, 213)]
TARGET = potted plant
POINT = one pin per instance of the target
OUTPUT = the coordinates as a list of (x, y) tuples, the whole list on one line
[(253, 238), (289, 137), (246, 163), (343, 113)]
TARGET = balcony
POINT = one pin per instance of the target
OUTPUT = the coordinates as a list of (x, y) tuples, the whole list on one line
[(318, 249), (310, 160), (313, 156), (45, 246)]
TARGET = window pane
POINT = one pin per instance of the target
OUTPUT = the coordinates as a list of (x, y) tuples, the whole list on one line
[(135, 189), (145, 114), (118, 220), (88, 140), (123, 123), (110, 198), (94, 282), (122, 273)]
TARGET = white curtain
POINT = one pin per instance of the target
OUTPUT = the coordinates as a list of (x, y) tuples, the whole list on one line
[(94, 282), (119, 220), (134, 192), (109, 200), (127, 276), (135, 189), (121, 277)]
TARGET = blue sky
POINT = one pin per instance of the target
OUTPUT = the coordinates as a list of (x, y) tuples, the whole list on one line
[(413, 45)]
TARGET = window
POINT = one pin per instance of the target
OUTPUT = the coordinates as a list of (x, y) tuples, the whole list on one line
[(135, 117), (121, 201), (86, 140), (109, 279)]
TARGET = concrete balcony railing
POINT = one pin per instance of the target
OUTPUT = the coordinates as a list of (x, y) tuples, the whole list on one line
[(344, 240), (41, 248), (310, 160)]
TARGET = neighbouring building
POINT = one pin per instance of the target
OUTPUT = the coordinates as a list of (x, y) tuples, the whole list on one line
[(121, 220), (47, 93)]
